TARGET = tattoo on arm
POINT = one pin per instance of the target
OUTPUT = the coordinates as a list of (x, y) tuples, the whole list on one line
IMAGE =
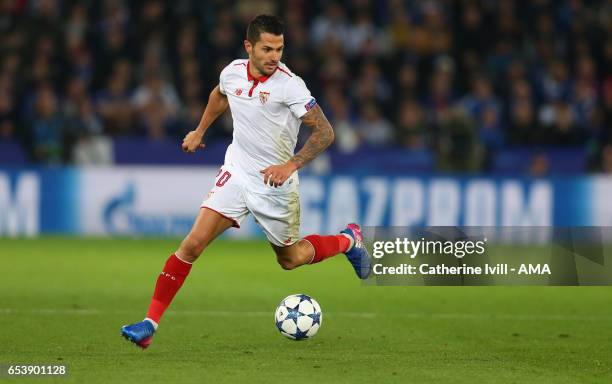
[(321, 137)]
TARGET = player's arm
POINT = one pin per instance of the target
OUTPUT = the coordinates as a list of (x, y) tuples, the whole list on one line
[(217, 104), (321, 137)]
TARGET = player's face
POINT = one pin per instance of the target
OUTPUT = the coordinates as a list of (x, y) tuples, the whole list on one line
[(266, 53)]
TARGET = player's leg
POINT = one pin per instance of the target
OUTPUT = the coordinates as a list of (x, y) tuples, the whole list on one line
[(310, 250), (356, 253), (208, 225), (224, 207), (294, 255), (279, 217), (313, 249)]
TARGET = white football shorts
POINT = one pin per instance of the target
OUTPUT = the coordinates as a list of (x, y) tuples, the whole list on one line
[(278, 215)]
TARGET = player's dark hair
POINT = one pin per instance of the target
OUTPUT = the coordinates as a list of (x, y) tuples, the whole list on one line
[(264, 24)]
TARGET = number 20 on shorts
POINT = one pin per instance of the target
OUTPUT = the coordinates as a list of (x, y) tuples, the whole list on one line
[(225, 176)]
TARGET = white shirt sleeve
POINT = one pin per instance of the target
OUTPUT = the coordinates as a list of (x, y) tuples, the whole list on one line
[(221, 80), (298, 97)]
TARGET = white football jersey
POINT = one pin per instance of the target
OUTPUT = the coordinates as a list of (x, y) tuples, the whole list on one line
[(266, 113)]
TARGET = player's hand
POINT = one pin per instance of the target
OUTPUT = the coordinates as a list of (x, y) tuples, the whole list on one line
[(276, 175), (192, 142)]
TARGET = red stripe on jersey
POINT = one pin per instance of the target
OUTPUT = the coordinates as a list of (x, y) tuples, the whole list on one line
[(255, 82), (282, 70)]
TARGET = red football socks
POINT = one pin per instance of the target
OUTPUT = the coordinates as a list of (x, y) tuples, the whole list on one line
[(327, 246), (176, 270), (168, 283)]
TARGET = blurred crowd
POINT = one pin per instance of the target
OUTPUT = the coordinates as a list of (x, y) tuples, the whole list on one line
[(462, 79)]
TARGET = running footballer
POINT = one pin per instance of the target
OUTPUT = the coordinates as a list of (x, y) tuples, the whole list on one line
[(259, 177)]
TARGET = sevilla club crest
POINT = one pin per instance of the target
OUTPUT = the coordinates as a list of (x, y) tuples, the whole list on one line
[(263, 97)]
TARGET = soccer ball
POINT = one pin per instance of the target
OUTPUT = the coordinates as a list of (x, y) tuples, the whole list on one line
[(298, 317)]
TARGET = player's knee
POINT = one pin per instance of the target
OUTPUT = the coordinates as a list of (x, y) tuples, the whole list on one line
[(191, 248), (286, 263)]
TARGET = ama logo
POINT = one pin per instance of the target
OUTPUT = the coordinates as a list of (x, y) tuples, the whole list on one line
[(122, 217)]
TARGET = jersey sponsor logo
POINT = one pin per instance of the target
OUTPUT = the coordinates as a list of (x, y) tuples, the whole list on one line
[(263, 96), (238, 92), (310, 104), (288, 241)]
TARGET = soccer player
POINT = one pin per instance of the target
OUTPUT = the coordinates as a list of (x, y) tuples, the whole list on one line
[(267, 102)]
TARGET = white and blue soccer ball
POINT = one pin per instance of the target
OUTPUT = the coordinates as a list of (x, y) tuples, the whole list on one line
[(298, 317)]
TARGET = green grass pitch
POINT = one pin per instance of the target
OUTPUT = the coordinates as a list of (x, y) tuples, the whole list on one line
[(63, 300)]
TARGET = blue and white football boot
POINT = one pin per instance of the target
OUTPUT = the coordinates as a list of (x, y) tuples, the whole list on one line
[(357, 254), (140, 333)]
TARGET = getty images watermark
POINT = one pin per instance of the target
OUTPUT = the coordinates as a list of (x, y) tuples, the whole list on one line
[(490, 256), (458, 249)]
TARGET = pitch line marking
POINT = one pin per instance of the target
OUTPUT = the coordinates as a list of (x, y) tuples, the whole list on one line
[(214, 313)]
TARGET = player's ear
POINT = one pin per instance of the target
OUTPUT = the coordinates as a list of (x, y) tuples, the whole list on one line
[(248, 47)]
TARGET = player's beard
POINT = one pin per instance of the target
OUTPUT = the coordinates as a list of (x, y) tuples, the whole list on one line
[(265, 70), (271, 68)]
